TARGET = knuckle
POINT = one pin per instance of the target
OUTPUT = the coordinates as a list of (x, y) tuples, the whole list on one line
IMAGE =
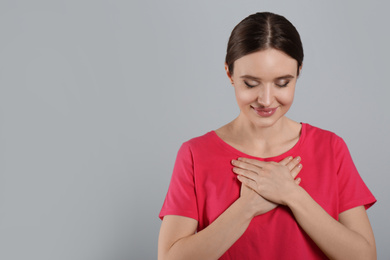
[(244, 160), (237, 163), (292, 163)]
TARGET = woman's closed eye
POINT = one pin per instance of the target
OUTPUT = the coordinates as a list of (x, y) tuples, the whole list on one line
[(282, 84), (251, 85)]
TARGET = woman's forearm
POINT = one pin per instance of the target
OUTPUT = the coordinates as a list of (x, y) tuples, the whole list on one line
[(335, 239), (216, 239)]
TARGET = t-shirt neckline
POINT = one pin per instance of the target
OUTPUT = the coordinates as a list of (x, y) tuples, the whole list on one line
[(289, 152)]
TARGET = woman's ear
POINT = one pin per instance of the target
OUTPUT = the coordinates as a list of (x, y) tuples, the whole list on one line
[(299, 70), (228, 74)]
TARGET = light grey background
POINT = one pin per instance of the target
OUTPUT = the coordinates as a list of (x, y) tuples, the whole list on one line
[(97, 96)]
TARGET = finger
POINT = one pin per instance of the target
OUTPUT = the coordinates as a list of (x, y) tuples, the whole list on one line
[(246, 166), (246, 173), (293, 163), (286, 160), (247, 182), (257, 163), (294, 172)]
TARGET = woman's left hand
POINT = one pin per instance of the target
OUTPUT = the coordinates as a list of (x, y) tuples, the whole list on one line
[(273, 181)]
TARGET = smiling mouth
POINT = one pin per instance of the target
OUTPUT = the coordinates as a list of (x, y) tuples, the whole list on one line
[(265, 112)]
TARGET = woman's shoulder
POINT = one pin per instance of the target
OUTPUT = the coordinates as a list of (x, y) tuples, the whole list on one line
[(318, 134), (199, 141), (320, 140)]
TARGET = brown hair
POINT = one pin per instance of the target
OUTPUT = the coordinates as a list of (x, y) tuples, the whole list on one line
[(262, 31)]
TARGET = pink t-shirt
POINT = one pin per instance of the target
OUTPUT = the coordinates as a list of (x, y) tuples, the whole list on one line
[(203, 186)]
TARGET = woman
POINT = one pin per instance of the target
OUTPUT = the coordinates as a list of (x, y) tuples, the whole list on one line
[(241, 192)]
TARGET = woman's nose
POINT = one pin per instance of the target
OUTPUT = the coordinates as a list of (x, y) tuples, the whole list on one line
[(265, 96)]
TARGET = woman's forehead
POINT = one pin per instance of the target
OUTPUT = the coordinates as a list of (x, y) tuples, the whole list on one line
[(264, 63)]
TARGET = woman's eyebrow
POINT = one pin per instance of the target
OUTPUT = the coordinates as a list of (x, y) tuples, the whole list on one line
[(250, 77), (287, 76)]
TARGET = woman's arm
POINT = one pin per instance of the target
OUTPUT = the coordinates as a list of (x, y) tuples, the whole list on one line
[(349, 238), (178, 238)]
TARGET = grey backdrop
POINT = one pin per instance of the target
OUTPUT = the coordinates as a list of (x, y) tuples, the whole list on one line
[(97, 96)]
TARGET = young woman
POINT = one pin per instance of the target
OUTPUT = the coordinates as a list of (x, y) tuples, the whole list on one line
[(241, 192)]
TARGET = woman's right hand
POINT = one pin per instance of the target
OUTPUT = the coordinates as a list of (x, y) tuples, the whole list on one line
[(259, 205)]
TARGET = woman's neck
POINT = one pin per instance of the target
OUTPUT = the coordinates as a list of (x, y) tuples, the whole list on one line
[(261, 141), (268, 134)]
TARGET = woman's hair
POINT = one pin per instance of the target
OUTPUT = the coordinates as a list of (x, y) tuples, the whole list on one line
[(262, 31)]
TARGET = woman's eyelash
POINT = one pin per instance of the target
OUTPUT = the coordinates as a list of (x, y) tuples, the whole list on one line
[(279, 85), (283, 85), (248, 85)]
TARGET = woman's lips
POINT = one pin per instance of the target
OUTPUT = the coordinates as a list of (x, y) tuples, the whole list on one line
[(265, 112)]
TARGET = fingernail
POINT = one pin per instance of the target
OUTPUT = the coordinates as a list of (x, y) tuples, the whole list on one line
[(298, 158), (233, 162), (299, 165)]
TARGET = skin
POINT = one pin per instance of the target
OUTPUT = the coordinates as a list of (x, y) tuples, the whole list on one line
[(259, 136), (271, 76), (178, 238)]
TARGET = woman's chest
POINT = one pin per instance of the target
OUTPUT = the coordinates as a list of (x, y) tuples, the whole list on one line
[(217, 186)]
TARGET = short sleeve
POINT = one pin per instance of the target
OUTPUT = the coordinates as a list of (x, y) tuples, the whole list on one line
[(353, 191), (181, 196)]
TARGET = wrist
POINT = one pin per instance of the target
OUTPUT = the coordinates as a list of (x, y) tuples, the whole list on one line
[(294, 197), (246, 208)]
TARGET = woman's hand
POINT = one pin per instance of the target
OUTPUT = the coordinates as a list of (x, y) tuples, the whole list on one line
[(258, 205), (272, 181)]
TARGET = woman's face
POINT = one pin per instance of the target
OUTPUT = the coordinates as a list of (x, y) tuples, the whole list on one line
[(264, 84)]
